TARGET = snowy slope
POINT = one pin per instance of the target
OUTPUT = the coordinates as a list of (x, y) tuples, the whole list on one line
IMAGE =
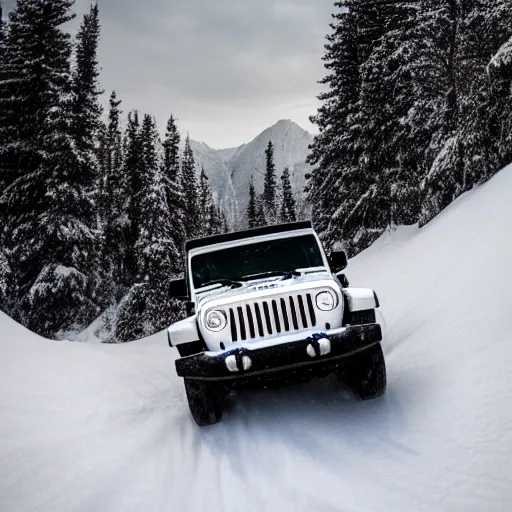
[(106, 427), (230, 170)]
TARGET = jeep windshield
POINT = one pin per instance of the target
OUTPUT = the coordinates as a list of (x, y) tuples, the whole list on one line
[(265, 258)]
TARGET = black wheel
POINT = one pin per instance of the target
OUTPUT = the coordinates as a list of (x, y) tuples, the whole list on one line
[(204, 401), (365, 373)]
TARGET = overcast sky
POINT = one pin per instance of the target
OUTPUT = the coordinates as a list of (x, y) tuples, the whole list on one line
[(227, 69)]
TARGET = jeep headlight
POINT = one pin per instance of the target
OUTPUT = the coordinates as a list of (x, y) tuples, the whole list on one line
[(216, 320), (325, 301)]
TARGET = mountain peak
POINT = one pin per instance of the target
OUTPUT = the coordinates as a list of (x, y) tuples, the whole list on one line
[(230, 170), (287, 123)]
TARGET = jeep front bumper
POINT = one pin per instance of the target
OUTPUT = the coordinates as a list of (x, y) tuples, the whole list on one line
[(243, 363)]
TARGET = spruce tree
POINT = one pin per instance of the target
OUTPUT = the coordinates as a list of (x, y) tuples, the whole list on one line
[(465, 35), (486, 132), (390, 155), (288, 204), (270, 186), (336, 182), (208, 212), (224, 223), (148, 308), (115, 196), (172, 182), (6, 282), (261, 220), (51, 220), (252, 207), (3, 98), (86, 125), (22, 97), (218, 220), (132, 173), (2, 34), (85, 85), (190, 192), (171, 146)]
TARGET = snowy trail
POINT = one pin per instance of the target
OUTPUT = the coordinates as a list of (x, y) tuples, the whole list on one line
[(106, 427)]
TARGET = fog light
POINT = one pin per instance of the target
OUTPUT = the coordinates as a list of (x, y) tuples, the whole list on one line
[(216, 320), (231, 364), (325, 301)]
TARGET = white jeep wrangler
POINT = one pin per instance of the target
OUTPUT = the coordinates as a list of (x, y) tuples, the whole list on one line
[(266, 305)]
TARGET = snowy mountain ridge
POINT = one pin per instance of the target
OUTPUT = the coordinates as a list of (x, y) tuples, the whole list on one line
[(230, 170)]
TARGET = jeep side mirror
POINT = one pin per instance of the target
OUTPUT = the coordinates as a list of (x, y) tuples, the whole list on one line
[(190, 308), (178, 289), (338, 261)]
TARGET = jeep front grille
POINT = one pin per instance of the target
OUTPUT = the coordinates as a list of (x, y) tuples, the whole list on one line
[(264, 318)]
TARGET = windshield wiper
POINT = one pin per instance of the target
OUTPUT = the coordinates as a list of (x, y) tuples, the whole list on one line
[(225, 282), (286, 274)]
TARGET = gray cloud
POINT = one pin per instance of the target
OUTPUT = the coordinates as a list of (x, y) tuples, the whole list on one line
[(226, 68)]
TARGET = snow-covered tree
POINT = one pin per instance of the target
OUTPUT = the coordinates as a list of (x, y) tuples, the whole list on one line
[(190, 189), (172, 182), (6, 282), (2, 33), (209, 216), (51, 220), (147, 307), (114, 202), (171, 146), (270, 186), (86, 109), (288, 203), (3, 98), (457, 40), (413, 116), (335, 184), (252, 205), (132, 173)]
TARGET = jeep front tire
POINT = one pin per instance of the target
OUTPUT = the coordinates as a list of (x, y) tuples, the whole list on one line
[(204, 401), (365, 373)]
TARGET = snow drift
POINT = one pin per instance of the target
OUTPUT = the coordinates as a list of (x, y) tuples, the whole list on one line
[(106, 427)]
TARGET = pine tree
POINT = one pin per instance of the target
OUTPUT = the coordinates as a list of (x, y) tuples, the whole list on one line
[(288, 204), (148, 307), (115, 194), (190, 192), (400, 134), (5, 269), (461, 38), (209, 222), (270, 186), (51, 218), (172, 181), (171, 145), (3, 98), (86, 124), (486, 133), (336, 182), (6, 282), (261, 220), (219, 221), (22, 101), (132, 173), (252, 207), (85, 87), (2, 34), (388, 155)]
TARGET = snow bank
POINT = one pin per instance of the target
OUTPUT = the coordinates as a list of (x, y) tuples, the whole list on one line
[(106, 427)]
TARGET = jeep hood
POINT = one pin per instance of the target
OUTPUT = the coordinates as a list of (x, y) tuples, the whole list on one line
[(271, 284)]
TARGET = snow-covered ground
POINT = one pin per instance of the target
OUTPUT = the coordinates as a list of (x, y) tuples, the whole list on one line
[(91, 427)]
